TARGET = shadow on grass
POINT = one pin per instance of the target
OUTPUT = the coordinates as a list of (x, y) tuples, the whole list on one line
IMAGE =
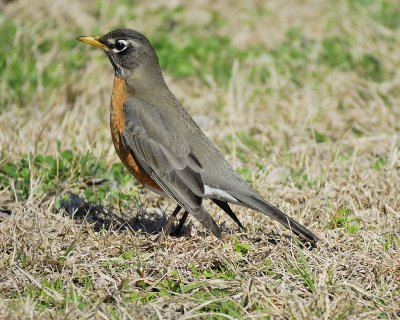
[(106, 218)]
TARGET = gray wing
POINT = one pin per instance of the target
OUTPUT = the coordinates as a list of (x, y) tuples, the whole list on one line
[(167, 158)]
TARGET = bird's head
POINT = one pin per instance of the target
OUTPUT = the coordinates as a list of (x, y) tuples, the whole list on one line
[(131, 54)]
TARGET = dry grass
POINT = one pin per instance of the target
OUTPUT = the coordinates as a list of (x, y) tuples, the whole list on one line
[(320, 137)]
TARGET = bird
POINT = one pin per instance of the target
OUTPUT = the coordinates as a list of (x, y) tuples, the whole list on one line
[(163, 147)]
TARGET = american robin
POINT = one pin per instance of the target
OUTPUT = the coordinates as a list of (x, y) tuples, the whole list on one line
[(162, 146)]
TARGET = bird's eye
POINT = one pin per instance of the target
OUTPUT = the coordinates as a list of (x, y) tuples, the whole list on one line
[(120, 45)]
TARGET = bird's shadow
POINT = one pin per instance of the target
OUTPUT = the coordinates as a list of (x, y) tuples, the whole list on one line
[(104, 217)]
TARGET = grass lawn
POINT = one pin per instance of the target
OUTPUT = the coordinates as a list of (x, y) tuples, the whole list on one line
[(303, 99)]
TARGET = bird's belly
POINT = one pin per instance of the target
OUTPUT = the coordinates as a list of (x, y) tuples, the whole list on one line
[(117, 123)]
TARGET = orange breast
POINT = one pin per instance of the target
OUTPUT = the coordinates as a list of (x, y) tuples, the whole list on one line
[(117, 123)]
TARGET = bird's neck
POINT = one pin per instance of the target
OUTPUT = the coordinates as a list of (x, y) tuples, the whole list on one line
[(147, 80)]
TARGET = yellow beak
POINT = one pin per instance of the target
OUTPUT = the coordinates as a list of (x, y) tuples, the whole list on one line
[(94, 41)]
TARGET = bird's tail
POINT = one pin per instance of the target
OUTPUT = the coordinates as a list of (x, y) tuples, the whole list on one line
[(257, 203)]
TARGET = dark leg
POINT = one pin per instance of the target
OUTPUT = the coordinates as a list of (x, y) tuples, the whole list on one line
[(225, 206), (167, 228), (178, 230)]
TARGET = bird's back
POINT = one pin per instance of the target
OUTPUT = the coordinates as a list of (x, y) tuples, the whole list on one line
[(218, 173)]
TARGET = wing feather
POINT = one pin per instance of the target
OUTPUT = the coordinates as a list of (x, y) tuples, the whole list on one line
[(167, 158)]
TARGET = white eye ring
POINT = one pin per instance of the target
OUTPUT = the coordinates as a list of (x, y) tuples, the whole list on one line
[(120, 45)]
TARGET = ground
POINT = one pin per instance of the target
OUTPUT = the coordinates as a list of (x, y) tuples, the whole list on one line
[(303, 99)]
